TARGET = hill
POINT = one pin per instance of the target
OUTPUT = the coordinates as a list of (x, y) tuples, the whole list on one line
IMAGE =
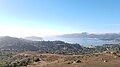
[(36, 59), (17, 52), (34, 38), (18, 44), (107, 36), (54, 47)]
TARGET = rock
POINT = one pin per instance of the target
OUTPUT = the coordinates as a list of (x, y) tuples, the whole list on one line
[(69, 62), (107, 52), (114, 52), (36, 59), (115, 56), (77, 61), (105, 61), (96, 55), (35, 63)]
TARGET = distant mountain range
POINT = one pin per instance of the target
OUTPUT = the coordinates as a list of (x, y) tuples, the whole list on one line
[(34, 38), (107, 36)]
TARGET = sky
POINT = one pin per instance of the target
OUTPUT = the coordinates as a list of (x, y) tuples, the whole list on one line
[(22, 18)]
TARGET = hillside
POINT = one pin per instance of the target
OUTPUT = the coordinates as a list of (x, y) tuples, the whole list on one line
[(54, 47), (18, 44), (17, 52), (36, 59), (34, 38), (106, 37)]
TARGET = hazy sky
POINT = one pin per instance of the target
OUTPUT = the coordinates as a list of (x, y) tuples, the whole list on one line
[(50, 17)]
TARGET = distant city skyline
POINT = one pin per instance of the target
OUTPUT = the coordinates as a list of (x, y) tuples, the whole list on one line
[(21, 18)]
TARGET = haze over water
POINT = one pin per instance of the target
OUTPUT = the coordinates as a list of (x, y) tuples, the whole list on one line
[(82, 41)]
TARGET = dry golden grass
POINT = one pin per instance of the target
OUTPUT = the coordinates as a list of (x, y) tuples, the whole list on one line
[(90, 60)]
